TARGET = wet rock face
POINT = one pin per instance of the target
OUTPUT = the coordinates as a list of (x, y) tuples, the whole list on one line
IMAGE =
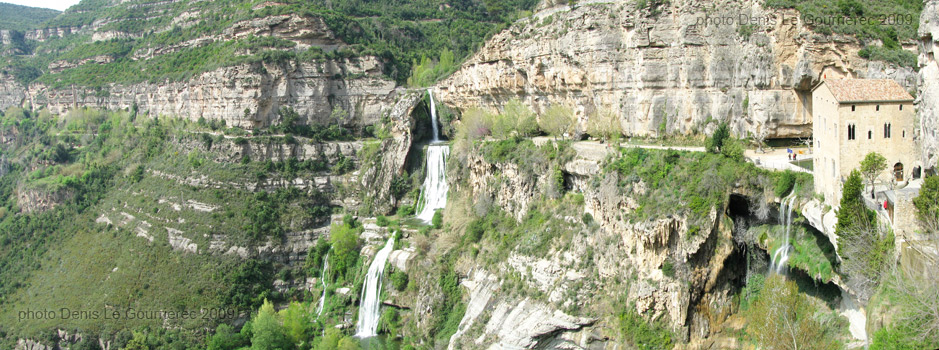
[(928, 95), (664, 73)]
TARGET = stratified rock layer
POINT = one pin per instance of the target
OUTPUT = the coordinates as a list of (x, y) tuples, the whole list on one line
[(665, 72)]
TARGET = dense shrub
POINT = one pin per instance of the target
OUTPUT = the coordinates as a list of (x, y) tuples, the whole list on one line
[(642, 334), (399, 280)]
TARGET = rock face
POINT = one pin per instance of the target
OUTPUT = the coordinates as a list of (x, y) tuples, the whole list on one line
[(247, 95), (928, 95), (524, 324), (687, 299), (666, 72)]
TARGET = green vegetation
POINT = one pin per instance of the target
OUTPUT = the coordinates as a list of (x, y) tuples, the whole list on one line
[(399, 280), (422, 40), (21, 18), (344, 239), (716, 141), (889, 22), (119, 186), (557, 121), (642, 334), (927, 204), (437, 220), (448, 309), (517, 120), (812, 253), (290, 328), (871, 167), (781, 316), (691, 182), (865, 248)]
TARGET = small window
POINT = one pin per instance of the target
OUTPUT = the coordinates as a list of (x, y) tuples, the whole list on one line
[(851, 131), (887, 128), (878, 107), (870, 134), (852, 107), (901, 106), (904, 133)]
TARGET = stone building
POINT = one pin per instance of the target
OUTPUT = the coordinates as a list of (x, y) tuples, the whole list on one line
[(853, 117)]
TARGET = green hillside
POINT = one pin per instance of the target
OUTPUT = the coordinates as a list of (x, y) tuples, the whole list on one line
[(400, 32), (18, 17)]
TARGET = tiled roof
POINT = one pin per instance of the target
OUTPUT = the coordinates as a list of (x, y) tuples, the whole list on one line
[(860, 90)]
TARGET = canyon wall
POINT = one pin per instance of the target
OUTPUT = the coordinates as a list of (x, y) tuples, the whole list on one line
[(246, 95), (928, 94), (666, 70)]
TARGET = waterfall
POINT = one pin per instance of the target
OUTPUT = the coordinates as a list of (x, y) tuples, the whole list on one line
[(434, 190), (433, 115), (781, 256), (319, 309), (370, 304)]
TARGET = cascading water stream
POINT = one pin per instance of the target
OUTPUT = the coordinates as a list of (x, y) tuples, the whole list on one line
[(781, 255), (319, 308), (370, 305), (433, 115), (434, 190)]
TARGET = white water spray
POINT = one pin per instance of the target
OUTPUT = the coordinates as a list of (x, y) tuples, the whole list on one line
[(435, 187), (370, 304), (319, 308), (433, 115), (781, 256)]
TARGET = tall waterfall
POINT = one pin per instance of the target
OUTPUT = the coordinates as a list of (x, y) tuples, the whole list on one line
[(319, 308), (435, 187), (433, 116), (781, 256), (370, 304)]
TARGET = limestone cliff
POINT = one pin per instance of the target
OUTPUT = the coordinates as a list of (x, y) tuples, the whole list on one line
[(246, 95), (928, 95), (665, 72)]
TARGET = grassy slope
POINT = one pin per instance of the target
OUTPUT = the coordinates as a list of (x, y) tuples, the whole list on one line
[(18, 17), (63, 258)]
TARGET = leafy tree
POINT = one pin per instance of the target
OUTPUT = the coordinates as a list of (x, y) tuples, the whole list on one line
[(783, 319), (733, 149), (605, 125), (475, 124), (557, 121), (526, 124), (862, 243), (225, 338), (344, 239), (268, 332), (297, 323), (716, 142), (850, 202), (871, 167), (927, 204)]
